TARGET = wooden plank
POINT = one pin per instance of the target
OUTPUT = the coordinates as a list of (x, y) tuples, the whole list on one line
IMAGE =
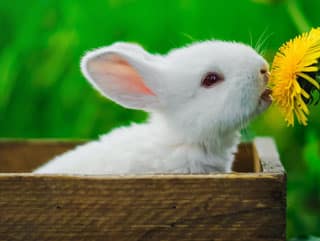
[(26, 155), (268, 154), (227, 206), (246, 159), (248, 207)]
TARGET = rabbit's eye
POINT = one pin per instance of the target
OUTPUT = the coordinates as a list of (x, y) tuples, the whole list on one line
[(210, 79)]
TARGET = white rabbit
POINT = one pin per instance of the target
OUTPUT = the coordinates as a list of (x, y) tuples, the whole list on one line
[(199, 97)]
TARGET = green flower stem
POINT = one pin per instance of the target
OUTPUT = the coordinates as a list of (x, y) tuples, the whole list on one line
[(297, 16)]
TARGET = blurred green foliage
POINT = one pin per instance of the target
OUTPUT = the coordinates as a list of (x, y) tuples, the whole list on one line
[(42, 93), (305, 238)]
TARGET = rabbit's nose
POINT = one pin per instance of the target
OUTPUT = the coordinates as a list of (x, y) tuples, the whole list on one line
[(265, 74)]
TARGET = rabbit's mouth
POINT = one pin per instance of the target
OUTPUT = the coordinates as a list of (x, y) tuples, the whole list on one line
[(266, 96), (265, 101)]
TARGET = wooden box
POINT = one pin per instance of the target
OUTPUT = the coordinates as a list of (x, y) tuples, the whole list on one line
[(248, 204)]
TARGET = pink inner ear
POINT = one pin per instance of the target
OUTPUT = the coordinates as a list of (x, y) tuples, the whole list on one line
[(120, 75)]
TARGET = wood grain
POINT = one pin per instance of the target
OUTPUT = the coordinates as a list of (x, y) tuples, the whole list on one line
[(249, 206), (199, 207)]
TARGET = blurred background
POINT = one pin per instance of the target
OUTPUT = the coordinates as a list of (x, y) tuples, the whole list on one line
[(43, 95)]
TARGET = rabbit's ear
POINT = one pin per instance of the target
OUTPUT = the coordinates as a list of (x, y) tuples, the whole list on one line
[(125, 73)]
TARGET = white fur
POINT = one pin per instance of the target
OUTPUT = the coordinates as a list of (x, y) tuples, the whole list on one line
[(191, 130)]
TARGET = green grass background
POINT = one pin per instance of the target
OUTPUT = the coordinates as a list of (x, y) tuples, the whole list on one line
[(43, 95)]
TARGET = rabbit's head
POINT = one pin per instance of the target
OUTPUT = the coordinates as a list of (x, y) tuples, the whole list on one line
[(206, 87)]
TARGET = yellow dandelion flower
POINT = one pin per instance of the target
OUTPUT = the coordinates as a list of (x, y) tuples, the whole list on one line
[(293, 75)]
